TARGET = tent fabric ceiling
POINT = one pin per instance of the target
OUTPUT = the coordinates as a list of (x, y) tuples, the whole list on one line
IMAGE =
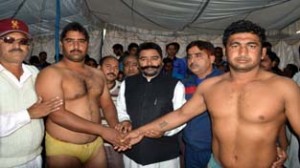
[(199, 16), (188, 17)]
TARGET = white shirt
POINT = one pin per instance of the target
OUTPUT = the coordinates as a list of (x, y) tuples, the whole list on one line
[(21, 136), (296, 78), (10, 122)]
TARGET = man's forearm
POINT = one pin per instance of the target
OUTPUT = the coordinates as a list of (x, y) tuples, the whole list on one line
[(75, 123), (165, 123), (112, 119), (11, 122)]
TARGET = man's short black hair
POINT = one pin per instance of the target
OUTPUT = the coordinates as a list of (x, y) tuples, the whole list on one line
[(102, 60), (272, 55), (132, 45), (267, 45), (244, 26), (43, 53), (74, 26), (167, 60), (87, 59), (175, 44), (201, 45), (117, 47), (149, 45)]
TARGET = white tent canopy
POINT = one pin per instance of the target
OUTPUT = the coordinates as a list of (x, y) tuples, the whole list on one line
[(161, 21)]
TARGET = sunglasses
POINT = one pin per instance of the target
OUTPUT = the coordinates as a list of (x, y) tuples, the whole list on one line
[(21, 41)]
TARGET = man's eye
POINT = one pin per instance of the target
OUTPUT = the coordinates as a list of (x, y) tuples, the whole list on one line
[(198, 55), (68, 40), (82, 40), (234, 45)]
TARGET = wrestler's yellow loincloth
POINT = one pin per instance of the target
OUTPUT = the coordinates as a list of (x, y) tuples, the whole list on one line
[(82, 152)]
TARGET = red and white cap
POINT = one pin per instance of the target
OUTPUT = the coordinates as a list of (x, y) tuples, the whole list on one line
[(13, 25)]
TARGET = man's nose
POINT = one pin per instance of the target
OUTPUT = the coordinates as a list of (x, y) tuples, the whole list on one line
[(243, 50)]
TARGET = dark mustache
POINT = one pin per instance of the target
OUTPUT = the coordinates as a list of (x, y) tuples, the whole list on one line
[(145, 67), (75, 50), (112, 74), (242, 58), (16, 49), (191, 64)]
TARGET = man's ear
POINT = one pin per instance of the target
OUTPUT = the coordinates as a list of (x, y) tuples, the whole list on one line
[(60, 46), (263, 53), (212, 58)]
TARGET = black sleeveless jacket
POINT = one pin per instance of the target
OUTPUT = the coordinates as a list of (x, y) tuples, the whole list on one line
[(145, 102)]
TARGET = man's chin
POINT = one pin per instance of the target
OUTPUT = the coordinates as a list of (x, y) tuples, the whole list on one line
[(111, 79), (150, 74)]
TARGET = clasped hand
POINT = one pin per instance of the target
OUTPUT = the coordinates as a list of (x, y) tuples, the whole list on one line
[(130, 138)]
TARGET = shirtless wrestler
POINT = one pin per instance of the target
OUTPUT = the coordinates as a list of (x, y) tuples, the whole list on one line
[(248, 105), (73, 134)]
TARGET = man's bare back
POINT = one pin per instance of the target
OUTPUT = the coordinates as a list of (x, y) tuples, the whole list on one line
[(246, 118), (80, 89)]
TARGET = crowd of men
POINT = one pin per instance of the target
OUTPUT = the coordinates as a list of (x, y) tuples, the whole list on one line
[(139, 109)]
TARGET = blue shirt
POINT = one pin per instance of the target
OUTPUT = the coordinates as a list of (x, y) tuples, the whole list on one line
[(179, 68), (197, 133)]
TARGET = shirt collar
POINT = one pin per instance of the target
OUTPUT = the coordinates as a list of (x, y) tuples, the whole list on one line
[(1, 68), (214, 72), (26, 74)]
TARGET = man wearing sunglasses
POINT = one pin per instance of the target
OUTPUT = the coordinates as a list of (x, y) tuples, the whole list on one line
[(21, 109)]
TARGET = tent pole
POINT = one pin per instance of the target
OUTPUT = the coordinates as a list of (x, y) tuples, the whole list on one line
[(57, 23), (101, 42)]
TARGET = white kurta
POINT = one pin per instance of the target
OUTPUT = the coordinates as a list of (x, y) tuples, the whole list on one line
[(292, 151), (296, 78)]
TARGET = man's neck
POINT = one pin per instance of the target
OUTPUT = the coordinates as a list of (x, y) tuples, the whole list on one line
[(171, 56), (219, 62), (111, 84), (15, 68), (149, 78), (72, 64), (204, 74), (245, 76)]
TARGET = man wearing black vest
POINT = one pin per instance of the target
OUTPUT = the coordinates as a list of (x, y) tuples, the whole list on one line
[(144, 98)]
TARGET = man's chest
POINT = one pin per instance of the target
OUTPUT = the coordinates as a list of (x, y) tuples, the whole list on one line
[(253, 103), (76, 85)]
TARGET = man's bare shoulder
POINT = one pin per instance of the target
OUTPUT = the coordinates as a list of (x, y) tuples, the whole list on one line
[(210, 84), (281, 83), (48, 82), (56, 67), (95, 72), (50, 73), (215, 80)]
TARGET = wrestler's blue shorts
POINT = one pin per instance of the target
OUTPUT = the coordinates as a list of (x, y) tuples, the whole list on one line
[(213, 163)]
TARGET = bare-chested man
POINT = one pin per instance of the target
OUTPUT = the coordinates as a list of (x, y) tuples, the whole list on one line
[(73, 134), (248, 105)]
